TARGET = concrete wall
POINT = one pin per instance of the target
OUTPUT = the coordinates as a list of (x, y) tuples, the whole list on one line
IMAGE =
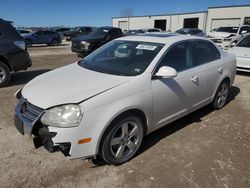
[(223, 15), (174, 22), (227, 13), (177, 21)]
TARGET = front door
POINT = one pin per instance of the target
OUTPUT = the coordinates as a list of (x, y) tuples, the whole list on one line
[(173, 97)]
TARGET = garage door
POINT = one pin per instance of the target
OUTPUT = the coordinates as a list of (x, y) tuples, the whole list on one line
[(123, 25), (225, 22)]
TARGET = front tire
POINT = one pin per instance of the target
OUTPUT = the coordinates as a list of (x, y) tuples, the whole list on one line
[(4, 74), (122, 140), (221, 95)]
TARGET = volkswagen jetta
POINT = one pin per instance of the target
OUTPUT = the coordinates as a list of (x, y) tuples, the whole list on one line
[(103, 106)]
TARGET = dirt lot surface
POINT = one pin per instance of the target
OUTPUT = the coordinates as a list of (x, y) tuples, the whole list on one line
[(205, 149)]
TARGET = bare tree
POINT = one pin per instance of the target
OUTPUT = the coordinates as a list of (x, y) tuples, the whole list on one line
[(127, 12)]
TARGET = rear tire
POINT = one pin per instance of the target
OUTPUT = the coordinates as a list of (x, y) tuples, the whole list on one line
[(4, 74), (54, 42), (122, 140), (221, 95)]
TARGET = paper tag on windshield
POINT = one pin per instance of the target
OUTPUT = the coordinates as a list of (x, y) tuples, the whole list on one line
[(146, 47)]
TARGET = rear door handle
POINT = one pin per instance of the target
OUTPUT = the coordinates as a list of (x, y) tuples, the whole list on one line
[(194, 79), (219, 70)]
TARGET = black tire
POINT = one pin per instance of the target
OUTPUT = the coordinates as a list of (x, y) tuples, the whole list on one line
[(122, 151), (4, 74), (54, 42), (221, 96)]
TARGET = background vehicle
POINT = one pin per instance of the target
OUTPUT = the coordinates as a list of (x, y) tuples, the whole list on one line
[(24, 32), (77, 31), (190, 31), (13, 53), (127, 88), (48, 37), (226, 36), (61, 31), (149, 30), (242, 53), (83, 45)]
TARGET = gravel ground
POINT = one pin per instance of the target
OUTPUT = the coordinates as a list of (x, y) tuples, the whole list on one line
[(204, 149)]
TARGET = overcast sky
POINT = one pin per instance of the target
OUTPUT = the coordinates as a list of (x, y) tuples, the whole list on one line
[(95, 12)]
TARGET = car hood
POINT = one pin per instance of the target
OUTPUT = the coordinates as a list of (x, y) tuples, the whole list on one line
[(86, 38), (69, 84), (221, 34), (240, 51)]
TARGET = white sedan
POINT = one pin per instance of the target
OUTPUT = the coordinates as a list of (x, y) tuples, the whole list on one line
[(103, 106), (242, 53)]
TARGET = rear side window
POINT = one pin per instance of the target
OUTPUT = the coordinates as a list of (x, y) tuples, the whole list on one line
[(205, 52), (178, 57), (245, 28)]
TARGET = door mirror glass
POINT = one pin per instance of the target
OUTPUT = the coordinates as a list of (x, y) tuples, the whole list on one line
[(243, 32), (166, 72)]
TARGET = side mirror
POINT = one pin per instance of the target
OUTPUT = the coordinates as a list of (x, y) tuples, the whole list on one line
[(233, 44), (166, 72), (243, 32)]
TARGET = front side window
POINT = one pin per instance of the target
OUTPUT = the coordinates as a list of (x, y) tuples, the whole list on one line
[(205, 52), (178, 57), (245, 42), (125, 58)]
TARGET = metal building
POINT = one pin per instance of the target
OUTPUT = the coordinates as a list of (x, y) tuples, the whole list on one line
[(214, 17)]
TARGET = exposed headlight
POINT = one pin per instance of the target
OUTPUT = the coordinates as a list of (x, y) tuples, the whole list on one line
[(85, 44), (63, 116), (20, 44)]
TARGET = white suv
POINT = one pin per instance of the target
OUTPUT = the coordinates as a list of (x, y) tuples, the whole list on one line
[(226, 37), (105, 104)]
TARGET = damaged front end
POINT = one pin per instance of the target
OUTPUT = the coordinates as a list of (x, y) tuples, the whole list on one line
[(28, 121)]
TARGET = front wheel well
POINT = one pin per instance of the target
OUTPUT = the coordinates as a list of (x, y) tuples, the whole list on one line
[(227, 79), (5, 61), (136, 112), (139, 113)]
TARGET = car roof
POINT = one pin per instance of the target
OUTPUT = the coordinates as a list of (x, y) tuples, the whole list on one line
[(163, 38)]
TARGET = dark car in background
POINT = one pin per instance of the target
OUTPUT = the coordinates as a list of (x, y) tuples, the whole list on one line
[(48, 37), (190, 31), (77, 31), (61, 31), (84, 45), (13, 53), (24, 32)]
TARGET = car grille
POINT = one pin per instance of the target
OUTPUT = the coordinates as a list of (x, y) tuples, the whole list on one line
[(217, 40), (30, 111)]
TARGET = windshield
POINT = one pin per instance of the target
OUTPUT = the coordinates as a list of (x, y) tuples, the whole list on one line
[(99, 33), (125, 58), (245, 42), (140, 31), (228, 29)]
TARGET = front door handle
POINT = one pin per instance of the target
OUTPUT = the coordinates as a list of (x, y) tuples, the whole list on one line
[(219, 70), (194, 79)]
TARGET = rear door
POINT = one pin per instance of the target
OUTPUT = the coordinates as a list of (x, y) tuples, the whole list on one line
[(208, 61)]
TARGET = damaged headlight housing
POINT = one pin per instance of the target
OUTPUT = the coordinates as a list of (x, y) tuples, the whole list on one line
[(69, 115)]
